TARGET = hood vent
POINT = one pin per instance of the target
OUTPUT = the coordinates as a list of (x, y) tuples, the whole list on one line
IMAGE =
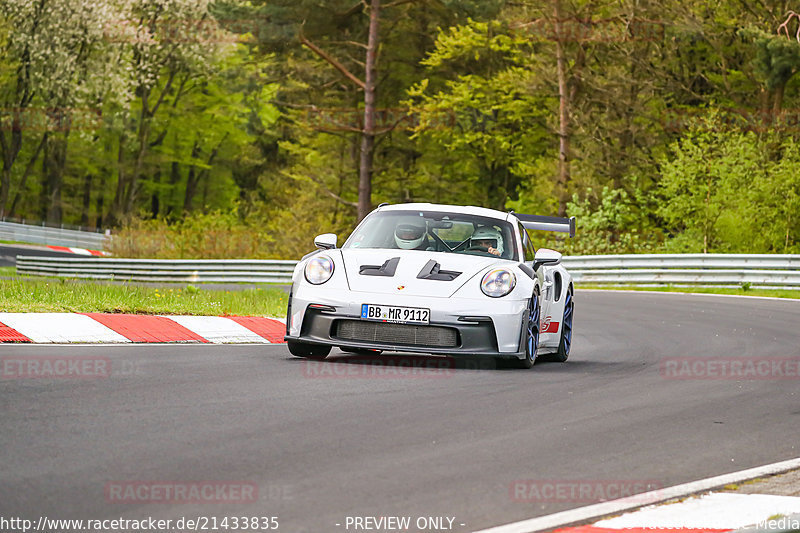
[(387, 269), (431, 270)]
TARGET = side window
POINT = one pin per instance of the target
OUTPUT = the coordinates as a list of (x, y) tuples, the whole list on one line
[(527, 245)]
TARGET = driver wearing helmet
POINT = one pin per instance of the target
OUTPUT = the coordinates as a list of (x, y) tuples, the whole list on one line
[(488, 239), (411, 235)]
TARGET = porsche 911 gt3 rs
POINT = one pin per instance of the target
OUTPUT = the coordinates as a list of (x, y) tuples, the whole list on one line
[(436, 279)]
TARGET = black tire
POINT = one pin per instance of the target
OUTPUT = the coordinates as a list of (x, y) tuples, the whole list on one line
[(565, 344), (308, 351), (530, 334)]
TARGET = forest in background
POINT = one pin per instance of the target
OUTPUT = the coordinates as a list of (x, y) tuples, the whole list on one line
[(198, 128)]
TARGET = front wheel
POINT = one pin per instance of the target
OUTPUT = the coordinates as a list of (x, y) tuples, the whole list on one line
[(531, 333), (309, 351)]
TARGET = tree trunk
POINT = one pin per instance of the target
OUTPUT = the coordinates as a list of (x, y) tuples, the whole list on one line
[(99, 222), (707, 221), (174, 179), (203, 175), (114, 215), (155, 201), (56, 154), (5, 187), (21, 190), (11, 147), (191, 189), (141, 150), (44, 190), (563, 114), (368, 134), (777, 102), (192, 180), (87, 199)]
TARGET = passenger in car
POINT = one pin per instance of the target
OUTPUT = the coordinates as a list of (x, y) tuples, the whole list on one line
[(487, 239)]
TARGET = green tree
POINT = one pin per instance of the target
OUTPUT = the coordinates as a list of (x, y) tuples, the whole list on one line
[(57, 53), (704, 180), (165, 55), (485, 118)]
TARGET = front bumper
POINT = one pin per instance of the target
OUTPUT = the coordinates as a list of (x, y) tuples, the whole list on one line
[(478, 328)]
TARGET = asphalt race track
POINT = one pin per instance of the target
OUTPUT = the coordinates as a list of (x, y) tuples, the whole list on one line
[(321, 445)]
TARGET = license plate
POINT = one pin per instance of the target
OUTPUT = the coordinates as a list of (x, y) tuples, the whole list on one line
[(393, 313)]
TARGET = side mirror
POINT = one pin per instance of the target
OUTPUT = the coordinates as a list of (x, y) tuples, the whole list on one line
[(545, 256), (326, 241)]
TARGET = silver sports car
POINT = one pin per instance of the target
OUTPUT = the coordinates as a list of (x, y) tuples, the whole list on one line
[(436, 279)]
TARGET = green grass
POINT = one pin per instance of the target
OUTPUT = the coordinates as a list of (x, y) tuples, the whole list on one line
[(26, 295), (738, 291), (32, 295)]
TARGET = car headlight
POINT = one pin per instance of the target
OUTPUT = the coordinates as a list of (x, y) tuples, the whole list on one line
[(498, 283), (319, 269)]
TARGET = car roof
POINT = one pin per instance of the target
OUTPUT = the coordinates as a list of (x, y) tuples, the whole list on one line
[(467, 210)]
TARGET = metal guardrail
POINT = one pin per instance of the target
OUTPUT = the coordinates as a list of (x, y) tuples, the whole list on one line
[(12, 231), (762, 270), (181, 270), (674, 269)]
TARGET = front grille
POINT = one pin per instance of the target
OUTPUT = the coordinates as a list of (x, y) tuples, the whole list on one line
[(387, 333)]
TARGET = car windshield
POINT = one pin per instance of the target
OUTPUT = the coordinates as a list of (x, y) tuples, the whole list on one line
[(436, 231)]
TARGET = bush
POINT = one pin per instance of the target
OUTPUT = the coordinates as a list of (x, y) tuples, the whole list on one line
[(610, 224), (217, 235)]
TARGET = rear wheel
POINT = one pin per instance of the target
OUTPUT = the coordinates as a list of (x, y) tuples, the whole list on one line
[(566, 330), (530, 334), (309, 351)]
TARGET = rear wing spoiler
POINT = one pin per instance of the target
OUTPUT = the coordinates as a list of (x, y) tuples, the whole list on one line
[(537, 222)]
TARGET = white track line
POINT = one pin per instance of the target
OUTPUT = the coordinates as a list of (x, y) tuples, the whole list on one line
[(716, 510), (626, 504)]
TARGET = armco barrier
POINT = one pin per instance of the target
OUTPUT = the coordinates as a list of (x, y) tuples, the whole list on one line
[(681, 269), (762, 270), (182, 270), (12, 231)]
